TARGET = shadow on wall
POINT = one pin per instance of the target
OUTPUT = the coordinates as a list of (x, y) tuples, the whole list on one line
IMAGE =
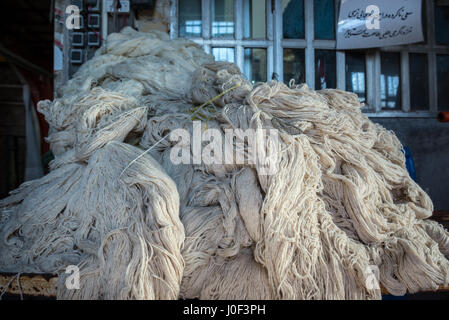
[(428, 141)]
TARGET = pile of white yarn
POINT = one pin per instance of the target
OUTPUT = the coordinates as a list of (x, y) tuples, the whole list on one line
[(340, 206)]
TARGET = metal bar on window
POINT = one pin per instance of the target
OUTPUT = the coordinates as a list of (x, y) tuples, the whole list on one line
[(377, 73), (433, 82), (430, 23), (294, 43), (278, 54), (310, 53), (238, 19), (341, 70), (231, 43), (270, 37), (432, 59), (270, 63), (440, 48), (401, 114), (324, 44), (405, 81), (174, 19), (418, 49), (337, 16), (269, 17), (206, 12), (371, 83), (239, 52), (370, 90), (341, 57)]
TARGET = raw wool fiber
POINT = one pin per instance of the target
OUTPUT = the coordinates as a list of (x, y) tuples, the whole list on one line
[(140, 227)]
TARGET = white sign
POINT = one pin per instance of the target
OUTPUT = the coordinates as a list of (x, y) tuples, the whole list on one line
[(378, 23)]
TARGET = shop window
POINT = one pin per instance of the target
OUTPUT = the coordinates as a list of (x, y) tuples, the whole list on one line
[(293, 19), (254, 19), (223, 18), (419, 81), (224, 54), (295, 39), (390, 81), (443, 81), (355, 74), (424, 20), (441, 24), (325, 73), (294, 67), (190, 22), (255, 64), (324, 19)]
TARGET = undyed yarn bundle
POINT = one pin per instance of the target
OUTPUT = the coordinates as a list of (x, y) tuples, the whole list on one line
[(139, 226)]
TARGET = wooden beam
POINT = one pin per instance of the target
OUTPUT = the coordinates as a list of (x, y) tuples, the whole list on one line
[(46, 285), (441, 289), (27, 284)]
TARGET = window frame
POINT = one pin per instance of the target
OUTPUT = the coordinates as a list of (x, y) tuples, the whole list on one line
[(275, 44), (239, 43)]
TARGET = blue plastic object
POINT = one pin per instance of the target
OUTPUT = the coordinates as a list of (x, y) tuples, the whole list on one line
[(409, 163)]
